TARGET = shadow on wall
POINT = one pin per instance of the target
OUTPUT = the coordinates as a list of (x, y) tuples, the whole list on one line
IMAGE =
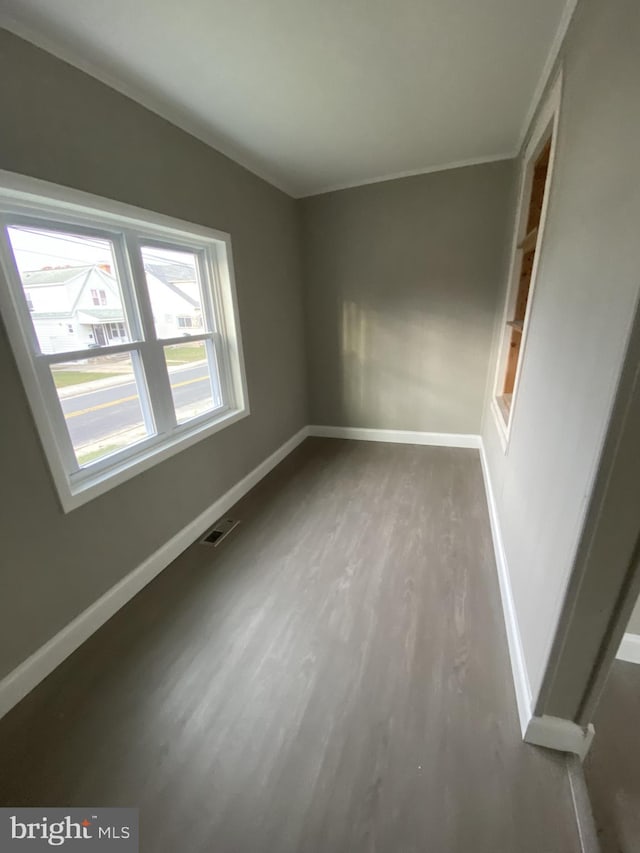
[(395, 365), (403, 280)]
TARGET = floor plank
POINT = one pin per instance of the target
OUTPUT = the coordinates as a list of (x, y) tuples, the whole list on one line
[(333, 677), (612, 768)]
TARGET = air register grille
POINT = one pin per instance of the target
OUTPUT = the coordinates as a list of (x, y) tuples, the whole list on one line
[(219, 531)]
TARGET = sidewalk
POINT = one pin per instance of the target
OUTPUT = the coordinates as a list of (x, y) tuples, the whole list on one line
[(113, 381), (94, 385)]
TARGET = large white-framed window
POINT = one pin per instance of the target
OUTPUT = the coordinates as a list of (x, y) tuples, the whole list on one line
[(535, 182), (125, 329)]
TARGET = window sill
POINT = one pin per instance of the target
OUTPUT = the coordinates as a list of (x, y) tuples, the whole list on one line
[(75, 492)]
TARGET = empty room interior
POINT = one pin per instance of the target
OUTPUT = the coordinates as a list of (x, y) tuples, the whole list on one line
[(320, 354)]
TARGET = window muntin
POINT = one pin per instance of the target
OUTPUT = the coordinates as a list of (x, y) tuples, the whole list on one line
[(133, 353)]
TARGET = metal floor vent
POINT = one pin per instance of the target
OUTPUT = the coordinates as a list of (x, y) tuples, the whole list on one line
[(219, 530)]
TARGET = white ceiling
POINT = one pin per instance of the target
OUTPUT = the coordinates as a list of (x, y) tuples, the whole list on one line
[(318, 94)]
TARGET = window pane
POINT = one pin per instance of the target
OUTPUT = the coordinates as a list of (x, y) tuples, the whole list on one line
[(71, 288), (193, 387), (174, 290), (101, 404)]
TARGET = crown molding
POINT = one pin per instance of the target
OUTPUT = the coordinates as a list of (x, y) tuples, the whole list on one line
[(411, 173), (142, 95), (172, 113), (547, 69)]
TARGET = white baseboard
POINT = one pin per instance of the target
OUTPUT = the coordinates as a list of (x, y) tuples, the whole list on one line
[(516, 654), (398, 436), (550, 732), (543, 731), (35, 668), (560, 734), (518, 668), (629, 648)]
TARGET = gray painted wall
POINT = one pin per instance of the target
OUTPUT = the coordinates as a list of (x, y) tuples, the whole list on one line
[(62, 125), (634, 623), (605, 579), (402, 289), (403, 280), (581, 316)]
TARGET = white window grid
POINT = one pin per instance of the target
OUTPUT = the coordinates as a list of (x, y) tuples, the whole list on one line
[(126, 230)]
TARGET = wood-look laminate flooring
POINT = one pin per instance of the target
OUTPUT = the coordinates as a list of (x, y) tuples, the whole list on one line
[(612, 768), (332, 678)]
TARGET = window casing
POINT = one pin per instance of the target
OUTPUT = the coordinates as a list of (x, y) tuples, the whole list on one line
[(165, 386)]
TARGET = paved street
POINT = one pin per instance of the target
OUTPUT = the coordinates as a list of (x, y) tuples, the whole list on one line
[(98, 414)]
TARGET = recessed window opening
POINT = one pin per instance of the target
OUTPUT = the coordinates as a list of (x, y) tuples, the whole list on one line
[(527, 253), (530, 220)]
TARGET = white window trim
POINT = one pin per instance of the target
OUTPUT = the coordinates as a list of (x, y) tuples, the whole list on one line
[(24, 195), (547, 120)]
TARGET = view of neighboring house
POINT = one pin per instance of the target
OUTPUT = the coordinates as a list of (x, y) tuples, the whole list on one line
[(75, 307), (175, 295)]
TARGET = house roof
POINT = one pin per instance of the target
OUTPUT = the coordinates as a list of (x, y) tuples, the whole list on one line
[(172, 274), (100, 315), (52, 315), (59, 275), (93, 315), (78, 279)]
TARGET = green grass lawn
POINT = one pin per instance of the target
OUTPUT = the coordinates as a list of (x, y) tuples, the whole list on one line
[(64, 378), (182, 354), (90, 455)]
